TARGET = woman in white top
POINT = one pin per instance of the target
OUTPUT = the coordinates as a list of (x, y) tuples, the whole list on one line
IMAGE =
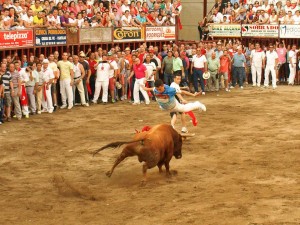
[(273, 19), (296, 17), (288, 19), (281, 16)]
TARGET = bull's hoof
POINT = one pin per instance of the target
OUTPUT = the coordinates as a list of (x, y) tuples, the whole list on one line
[(108, 174)]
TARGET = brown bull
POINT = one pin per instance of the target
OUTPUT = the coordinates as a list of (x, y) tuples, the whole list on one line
[(154, 147)]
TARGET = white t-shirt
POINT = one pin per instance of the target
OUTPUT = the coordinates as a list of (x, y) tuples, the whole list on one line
[(128, 20), (199, 61), (271, 58), (55, 20), (111, 72), (46, 75), (176, 86), (150, 67), (103, 72), (292, 54), (296, 19), (124, 8), (257, 58)]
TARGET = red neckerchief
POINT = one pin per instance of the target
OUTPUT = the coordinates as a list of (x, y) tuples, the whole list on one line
[(260, 50)]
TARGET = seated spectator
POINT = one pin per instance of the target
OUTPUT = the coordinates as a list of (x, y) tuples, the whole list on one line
[(125, 7), (249, 17), (38, 20), (228, 9), (296, 17), (225, 19), (46, 6), (94, 23), (265, 6), (18, 9), (279, 6), (64, 20), (115, 18), (256, 6), (141, 18), (54, 19), (138, 6), (126, 19), (151, 18), (105, 19), (133, 9), (288, 19), (288, 7), (16, 21), (271, 9), (145, 7), (86, 24), (263, 17), (85, 16), (159, 20), (256, 17), (73, 20), (80, 20), (232, 17), (28, 19), (36, 7), (72, 7), (241, 16), (80, 6), (236, 7), (216, 17), (273, 19), (281, 17), (168, 20)]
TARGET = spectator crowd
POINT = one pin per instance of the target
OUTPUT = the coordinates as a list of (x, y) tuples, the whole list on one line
[(40, 84), (256, 12), (22, 14)]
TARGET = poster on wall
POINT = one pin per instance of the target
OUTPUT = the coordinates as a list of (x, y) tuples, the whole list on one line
[(160, 33), (18, 38), (46, 37), (267, 31)]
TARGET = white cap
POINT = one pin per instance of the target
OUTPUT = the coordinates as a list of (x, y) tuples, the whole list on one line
[(45, 61)]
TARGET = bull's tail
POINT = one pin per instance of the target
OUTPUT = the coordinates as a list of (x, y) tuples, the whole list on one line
[(115, 145)]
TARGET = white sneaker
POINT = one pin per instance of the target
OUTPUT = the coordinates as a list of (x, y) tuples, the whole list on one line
[(125, 97), (44, 110), (184, 130), (63, 107), (147, 103), (227, 90), (86, 105), (203, 93), (70, 107), (231, 87), (202, 107), (122, 98), (50, 111), (241, 87), (39, 112)]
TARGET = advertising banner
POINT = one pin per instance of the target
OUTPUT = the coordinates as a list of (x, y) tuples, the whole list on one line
[(268, 31), (289, 31), (46, 37), (18, 38), (95, 35), (160, 33), (127, 34), (224, 30)]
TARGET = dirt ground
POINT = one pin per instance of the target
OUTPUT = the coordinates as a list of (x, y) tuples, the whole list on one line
[(242, 167)]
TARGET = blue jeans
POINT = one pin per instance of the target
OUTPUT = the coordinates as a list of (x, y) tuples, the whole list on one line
[(238, 74), (198, 74), (168, 78)]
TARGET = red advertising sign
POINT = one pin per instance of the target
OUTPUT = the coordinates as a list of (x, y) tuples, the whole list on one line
[(16, 38)]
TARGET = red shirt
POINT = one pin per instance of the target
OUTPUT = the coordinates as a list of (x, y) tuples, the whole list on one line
[(92, 63), (139, 71), (224, 64)]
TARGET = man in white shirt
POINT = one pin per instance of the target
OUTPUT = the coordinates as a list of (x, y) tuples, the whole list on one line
[(151, 71), (271, 65), (257, 63), (47, 79), (125, 7), (292, 56), (54, 19), (28, 19), (102, 79), (217, 17), (126, 19), (199, 65)]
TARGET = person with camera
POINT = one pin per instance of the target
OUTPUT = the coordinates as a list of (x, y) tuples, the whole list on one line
[(102, 79)]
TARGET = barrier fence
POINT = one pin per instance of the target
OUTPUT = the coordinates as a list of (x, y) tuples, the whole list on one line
[(280, 31), (54, 37)]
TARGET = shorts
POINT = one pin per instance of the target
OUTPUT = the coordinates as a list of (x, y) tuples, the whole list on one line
[(7, 99), (53, 88), (225, 74), (112, 83)]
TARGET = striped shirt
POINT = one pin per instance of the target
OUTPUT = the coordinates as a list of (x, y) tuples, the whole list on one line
[(15, 78), (6, 78)]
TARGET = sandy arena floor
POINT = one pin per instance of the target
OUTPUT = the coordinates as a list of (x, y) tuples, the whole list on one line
[(241, 168)]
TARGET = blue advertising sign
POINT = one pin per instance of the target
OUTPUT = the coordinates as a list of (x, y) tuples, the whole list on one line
[(48, 37)]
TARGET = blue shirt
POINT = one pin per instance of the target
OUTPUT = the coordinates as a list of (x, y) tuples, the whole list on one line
[(166, 99), (141, 19), (239, 60)]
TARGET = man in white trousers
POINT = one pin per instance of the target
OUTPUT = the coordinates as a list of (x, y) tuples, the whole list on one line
[(102, 79), (257, 64), (271, 66), (79, 75), (292, 56), (141, 76), (47, 79), (66, 81)]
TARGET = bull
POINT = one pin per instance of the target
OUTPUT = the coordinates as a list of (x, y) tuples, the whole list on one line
[(154, 147)]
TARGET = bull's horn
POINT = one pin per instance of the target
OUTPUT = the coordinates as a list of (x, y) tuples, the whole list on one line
[(187, 135)]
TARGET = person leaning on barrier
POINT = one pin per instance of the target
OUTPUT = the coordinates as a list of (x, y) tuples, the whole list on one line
[(28, 19)]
